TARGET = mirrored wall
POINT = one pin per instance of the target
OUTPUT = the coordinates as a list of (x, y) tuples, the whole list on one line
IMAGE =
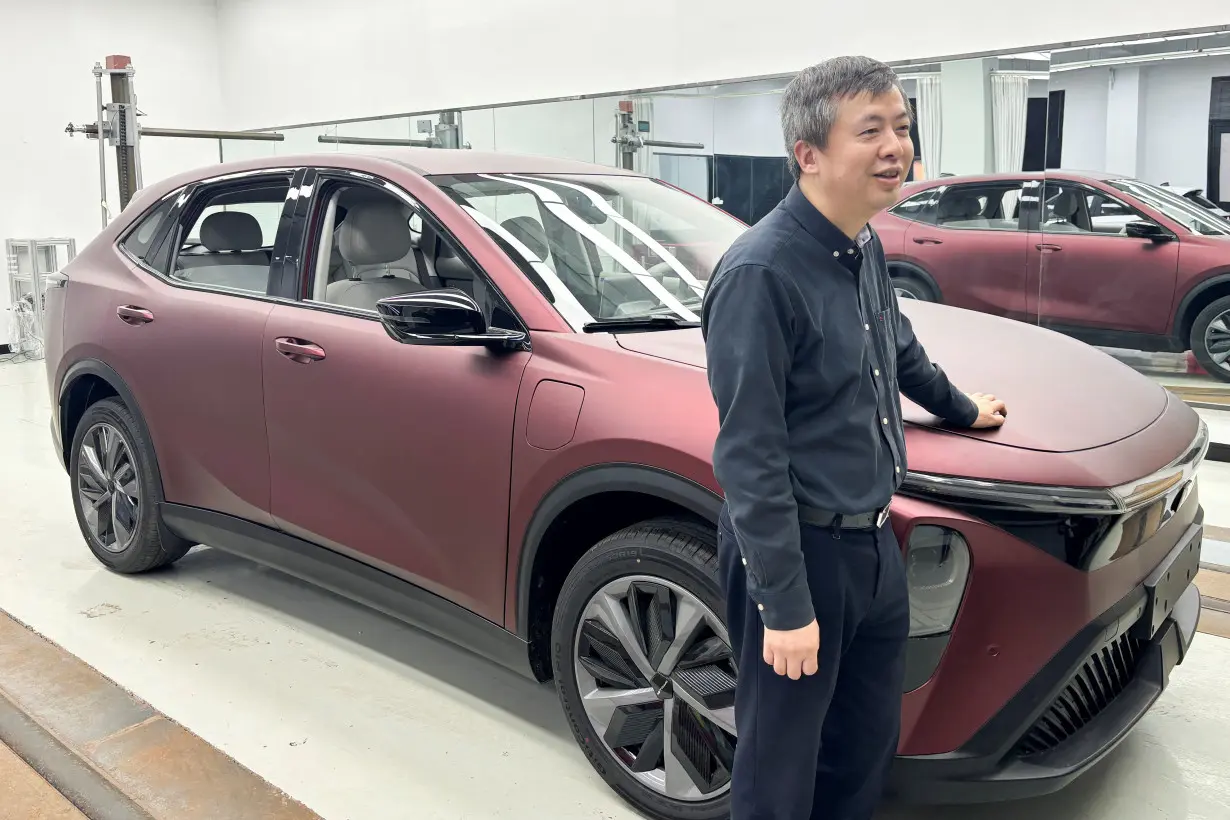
[(1086, 190)]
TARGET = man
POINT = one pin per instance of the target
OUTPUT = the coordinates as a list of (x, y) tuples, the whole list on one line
[(807, 353)]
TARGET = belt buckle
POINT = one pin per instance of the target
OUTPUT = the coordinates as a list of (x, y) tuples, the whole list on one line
[(883, 516)]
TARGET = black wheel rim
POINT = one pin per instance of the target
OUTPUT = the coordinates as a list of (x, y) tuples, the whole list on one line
[(109, 488), (1217, 341), (656, 676)]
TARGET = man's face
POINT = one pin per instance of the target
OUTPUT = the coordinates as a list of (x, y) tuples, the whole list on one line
[(868, 155)]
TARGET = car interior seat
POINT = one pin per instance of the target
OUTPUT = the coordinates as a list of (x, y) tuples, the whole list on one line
[(233, 254), (374, 236)]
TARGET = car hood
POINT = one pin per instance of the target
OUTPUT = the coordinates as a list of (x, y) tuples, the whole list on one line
[(1062, 394)]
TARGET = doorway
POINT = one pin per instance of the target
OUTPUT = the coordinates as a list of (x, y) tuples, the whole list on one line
[(1219, 162)]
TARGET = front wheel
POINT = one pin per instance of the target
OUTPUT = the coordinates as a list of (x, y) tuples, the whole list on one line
[(644, 668), (910, 287), (1210, 339)]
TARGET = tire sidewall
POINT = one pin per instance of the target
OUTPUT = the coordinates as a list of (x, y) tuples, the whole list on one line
[(617, 557), (906, 282), (1199, 326), (111, 411)]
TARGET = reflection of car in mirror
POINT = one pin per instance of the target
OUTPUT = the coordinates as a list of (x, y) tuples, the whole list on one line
[(1111, 260), (468, 389)]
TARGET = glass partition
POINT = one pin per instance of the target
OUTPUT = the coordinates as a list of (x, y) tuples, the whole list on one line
[(1133, 241)]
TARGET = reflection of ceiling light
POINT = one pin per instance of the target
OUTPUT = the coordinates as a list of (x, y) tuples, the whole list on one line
[(1141, 58)]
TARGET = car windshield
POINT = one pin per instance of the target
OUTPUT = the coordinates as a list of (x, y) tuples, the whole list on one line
[(1182, 210), (602, 247)]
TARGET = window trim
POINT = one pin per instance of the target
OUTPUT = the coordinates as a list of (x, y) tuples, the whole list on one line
[(303, 241), (191, 193)]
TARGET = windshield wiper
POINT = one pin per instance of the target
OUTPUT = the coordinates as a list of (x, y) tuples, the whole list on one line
[(637, 323)]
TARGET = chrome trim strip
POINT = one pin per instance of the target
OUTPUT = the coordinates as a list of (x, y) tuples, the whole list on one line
[(1174, 477)]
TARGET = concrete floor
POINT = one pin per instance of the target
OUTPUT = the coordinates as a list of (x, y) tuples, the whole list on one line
[(360, 717)]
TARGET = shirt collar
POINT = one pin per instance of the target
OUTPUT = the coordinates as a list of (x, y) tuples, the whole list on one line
[(825, 232)]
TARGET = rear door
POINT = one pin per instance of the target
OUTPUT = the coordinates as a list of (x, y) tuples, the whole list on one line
[(399, 455), (186, 337), (973, 245)]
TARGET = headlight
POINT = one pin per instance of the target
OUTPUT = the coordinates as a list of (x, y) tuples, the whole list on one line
[(937, 567)]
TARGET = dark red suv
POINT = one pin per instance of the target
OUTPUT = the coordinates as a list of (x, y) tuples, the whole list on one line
[(468, 389), (1108, 259)]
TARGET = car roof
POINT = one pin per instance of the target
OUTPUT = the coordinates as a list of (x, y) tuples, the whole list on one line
[(1071, 173)]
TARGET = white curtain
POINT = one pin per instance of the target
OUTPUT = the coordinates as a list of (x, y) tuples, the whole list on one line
[(1009, 108), (930, 124)]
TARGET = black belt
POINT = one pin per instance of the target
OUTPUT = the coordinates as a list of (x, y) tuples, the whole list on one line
[(841, 521)]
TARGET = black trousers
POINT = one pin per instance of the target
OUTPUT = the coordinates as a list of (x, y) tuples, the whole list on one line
[(819, 748)]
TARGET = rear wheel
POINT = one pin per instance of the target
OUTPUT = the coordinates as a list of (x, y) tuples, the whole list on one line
[(908, 286), (1210, 339), (115, 492), (644, 668)]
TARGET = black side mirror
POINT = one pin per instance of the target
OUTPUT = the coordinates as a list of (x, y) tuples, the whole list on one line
[(1148, 230), (446, 316)]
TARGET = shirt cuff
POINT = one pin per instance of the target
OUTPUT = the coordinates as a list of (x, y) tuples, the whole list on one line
[(789, 609)]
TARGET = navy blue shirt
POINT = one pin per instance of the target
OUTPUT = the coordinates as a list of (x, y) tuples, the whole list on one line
[(807, 357)]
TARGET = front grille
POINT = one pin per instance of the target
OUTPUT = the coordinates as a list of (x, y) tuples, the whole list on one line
[(1100, 680)]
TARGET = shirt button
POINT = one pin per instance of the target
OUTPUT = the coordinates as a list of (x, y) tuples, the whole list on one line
[(836, 253), (898, 469), (877, 372), (866, 327), (745, 562), (884, 421), (760, 607)]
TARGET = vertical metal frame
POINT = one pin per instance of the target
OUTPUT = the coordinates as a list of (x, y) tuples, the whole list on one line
[(31, 338)]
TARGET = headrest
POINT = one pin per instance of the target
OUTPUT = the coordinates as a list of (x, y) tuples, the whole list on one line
[(1066, 205), (959, 207), (374, 233), (231, 231), (529, 232)]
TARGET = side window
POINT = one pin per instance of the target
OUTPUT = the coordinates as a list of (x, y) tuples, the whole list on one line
[(920, 207), (1072, 208), (226, 235), (982, 206), (368, 245), (139, 241)]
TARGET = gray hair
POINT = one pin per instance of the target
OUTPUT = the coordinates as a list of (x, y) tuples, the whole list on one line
[(809, 105)]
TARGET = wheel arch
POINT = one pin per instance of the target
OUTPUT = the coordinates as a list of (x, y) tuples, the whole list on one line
[(581, 509), (1208, 290), (918, 272), (85, 383)]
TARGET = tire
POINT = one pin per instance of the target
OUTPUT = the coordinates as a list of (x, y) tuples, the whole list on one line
[(1211, 336), (911, 287), (672, 563), (128, 536)]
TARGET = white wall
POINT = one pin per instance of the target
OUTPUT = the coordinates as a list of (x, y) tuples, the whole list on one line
[(51, 181), (1173, 126), (292, 61)]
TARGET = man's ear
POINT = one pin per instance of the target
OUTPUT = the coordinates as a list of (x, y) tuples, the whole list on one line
[(807, 156)]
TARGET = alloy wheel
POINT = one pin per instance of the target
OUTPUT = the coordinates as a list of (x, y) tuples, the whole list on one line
[(1217, 340), (109, 488), (903, 293), (656, 676)]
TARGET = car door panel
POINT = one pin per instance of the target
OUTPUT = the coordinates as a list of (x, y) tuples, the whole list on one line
[(982, 270), (399, 455), (1092, 275)]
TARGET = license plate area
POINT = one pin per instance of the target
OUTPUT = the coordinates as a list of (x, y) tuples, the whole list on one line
[(1167, 583)]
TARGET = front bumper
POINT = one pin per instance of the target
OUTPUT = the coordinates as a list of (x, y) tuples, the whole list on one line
[(1081, 706)]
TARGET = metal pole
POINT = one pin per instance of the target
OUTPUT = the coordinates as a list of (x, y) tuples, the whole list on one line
[(125, 152), (102, 147), (374, 141), (666, 144), (190, 133)]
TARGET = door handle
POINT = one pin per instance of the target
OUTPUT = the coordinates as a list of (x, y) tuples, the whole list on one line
[(927, 240), (134, 315), (1047, 246), (297, 350)]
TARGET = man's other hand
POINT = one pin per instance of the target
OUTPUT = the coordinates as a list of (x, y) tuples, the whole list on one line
[(793, 652), (991, 411)]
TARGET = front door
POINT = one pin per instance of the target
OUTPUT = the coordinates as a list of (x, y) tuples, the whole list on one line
[(398, 455), (1091, 277)]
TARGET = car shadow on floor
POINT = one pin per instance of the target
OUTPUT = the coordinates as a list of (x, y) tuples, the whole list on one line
[(402, 643)]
